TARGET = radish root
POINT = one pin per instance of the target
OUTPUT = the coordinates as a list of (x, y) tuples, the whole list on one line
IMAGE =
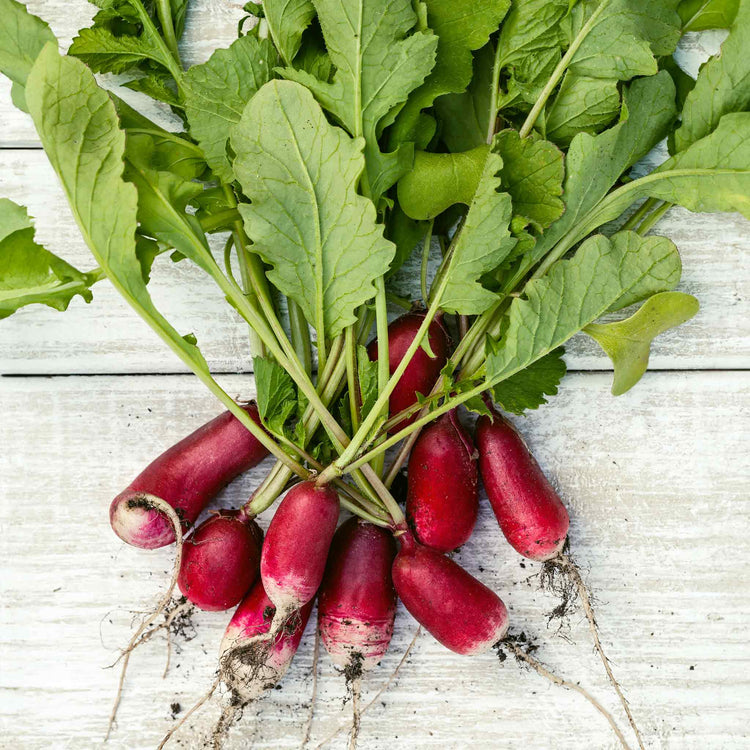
[(194, 708), (311, 716), (562, 576), (170, 513), (356, 688), (540, 669), (385, 687)]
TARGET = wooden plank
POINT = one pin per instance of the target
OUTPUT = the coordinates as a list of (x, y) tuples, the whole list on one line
[(657, 486), (107, 337)]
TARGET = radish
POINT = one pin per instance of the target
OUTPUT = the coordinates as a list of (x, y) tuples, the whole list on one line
[(186, 476), (422, 372), (357, 601), (250, 663), (442, 500), (220, 561), (294, 553), (458, 610), (529, 511)]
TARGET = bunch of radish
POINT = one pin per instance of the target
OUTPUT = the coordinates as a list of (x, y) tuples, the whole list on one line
[(359, 571)]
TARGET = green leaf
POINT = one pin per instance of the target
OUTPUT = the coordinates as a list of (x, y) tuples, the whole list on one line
[(367, 374), (162, 207), (723, 85), (532, 173), (104, 52), (157, 86), (276, 394), (217, 91), (165, 152), (287, 21), (624, 39), (711, 175), (603, 275), (529, 388), (582, 105), (437, 181), (595, 163), (306, 218), (465, 118), (628, 342), (700, 15), (405, 234), (79, 129), (378, 63), (530, 44), (483, 244), (462, 26), (22, 37), (31, 274)]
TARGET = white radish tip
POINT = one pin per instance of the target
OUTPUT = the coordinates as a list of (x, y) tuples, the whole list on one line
[(136, 520)]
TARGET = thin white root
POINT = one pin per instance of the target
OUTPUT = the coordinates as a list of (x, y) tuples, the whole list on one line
[(356, 714), (540, 669), (169, 511), (311, 716), (195, 707), (380, 692), (186, 606), (583, 593)]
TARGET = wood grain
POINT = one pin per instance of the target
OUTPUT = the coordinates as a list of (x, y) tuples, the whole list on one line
[(657, 486)]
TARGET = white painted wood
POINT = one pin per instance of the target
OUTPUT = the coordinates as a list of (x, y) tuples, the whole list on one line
[(657, 484), (107, 337)]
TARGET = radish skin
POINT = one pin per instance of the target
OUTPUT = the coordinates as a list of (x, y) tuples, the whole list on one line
[(250, 662), (422, 372), (458, 610), (442, 500), (186, 476), (527, 507), (294, 553), (357, 601), (220, 561)]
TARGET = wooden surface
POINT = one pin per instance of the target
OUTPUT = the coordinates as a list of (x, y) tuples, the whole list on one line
[(657, 482)]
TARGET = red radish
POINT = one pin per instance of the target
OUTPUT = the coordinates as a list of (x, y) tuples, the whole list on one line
[(422, 372), (458, 610), (357, 601), (529, 511), (220, 561), (250, 663), (187, 476), (442, 501), (294, 553)]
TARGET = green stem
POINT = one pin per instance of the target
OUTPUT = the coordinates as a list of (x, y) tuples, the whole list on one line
[(634, 220), (425, 259), (351, 378), (164, 11), (220, 220), (148, 25), (384, 368), (497, 66), (653, 218), (559, 70), (300, 336)]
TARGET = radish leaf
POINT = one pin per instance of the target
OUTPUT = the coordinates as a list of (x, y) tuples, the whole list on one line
[(79, 129), (723, 85), (628, 342), (604, 274), (529, 388), (378, 64), (22, 37), (31, 274), (217, 91), (287, 21), (700, 15), (306, 219), (462, 26)]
